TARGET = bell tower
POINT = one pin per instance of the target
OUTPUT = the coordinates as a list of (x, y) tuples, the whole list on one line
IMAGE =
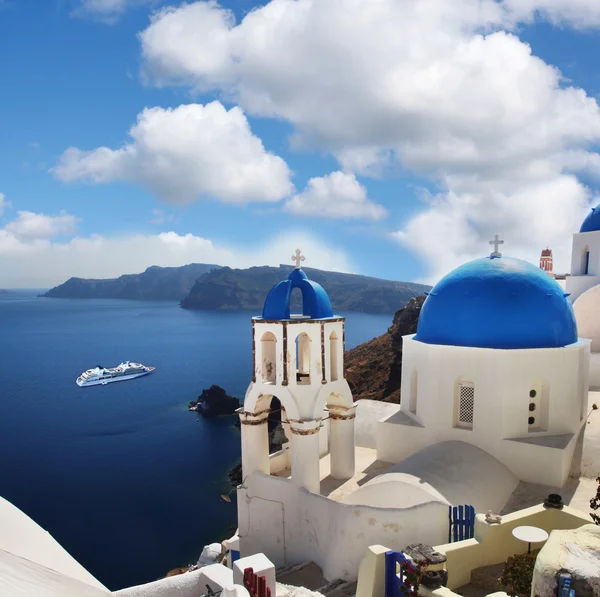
[(546, 262), (299, 359)]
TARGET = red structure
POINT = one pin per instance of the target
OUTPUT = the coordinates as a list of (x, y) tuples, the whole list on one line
[(546, 261), (256, 585)]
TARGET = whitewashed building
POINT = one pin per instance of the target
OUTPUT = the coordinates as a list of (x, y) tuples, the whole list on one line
[(494, 393), (583, 285)]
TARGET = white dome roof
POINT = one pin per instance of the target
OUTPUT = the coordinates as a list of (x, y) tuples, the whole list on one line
[(587, 313), (451, 472)]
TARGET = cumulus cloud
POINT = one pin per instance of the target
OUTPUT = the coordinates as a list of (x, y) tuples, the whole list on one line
[(337, 195), (30, 226), (444, 89), (577, 13), (186, 153), (38, 260)]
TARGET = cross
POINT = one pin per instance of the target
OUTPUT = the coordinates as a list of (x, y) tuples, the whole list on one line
[(298, 258), (496, 242)]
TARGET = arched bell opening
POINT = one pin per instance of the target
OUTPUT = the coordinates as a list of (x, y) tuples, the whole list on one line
[(268, 345), (303, 352), (333, 357), (277, 434)]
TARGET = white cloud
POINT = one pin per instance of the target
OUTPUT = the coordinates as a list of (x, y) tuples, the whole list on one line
[(577, 13), (337, 195), (186, 153), (444, 89), (27, 260), (105, 10), (30, 226), (4, 204)]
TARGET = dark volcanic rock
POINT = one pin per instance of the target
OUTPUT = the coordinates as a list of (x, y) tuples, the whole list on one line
[(228, 288), (156, 283), (215, 402), (374, 368)]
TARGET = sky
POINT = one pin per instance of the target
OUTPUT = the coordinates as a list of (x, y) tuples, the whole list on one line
[(391, 138)]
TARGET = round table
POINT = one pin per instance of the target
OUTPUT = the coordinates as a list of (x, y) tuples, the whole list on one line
[(530, 535)]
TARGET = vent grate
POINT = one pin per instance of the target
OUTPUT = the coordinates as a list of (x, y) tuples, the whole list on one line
[(466, 404)]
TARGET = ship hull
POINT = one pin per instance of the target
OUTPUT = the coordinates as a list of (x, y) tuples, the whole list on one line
[(101, 382)]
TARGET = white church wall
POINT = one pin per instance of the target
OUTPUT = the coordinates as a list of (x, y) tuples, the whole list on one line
[(368, 414), (579, 281), (594, 379), (577, 285), (502, 381), (332, 534)]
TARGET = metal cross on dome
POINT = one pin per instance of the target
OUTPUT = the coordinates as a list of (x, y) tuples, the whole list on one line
[(298, 258), (496, 242)]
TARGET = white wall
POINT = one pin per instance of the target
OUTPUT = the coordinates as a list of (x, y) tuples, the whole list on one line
[(577, 283), (332, 534), (502, 381), (368, 414)]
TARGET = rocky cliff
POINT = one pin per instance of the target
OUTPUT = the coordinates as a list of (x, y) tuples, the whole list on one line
[(374, 368), (156, 283), (228, 288)]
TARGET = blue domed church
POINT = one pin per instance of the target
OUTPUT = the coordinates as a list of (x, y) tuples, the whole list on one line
[(497, 363)]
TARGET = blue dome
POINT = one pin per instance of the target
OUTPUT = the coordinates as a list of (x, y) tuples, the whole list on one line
[(315, 302), (592, 221), (497, 303)]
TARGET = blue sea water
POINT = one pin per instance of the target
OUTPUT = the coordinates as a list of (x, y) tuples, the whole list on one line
[(123, 475)]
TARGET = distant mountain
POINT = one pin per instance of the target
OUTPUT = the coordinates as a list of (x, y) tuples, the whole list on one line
[(228, 288), (156, 283), (4, 291)]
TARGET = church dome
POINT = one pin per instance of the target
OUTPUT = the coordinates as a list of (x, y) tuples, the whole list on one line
[(592, 221), (497, 302), (315, 301), (587, 312)]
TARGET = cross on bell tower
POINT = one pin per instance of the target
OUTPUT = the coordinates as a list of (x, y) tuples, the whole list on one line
[(298, 258), (496, 242)]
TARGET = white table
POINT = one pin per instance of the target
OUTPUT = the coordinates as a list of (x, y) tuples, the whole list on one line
[(530, 535)]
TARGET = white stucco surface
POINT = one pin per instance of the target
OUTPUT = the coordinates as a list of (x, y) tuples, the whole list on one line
[(587, 312), (444, 473), (502, 382), (182, 585), (368, 413), (24, 538), (291, 525), (579, 281), (20, 577)]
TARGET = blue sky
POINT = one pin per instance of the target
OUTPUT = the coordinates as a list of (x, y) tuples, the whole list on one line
[(425, 132)]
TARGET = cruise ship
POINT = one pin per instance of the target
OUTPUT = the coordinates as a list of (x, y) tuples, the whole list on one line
[(101, 375)]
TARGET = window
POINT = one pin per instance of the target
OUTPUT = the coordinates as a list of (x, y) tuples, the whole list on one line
[(465, 405), (333, 356), (414, 387), (585, 261)]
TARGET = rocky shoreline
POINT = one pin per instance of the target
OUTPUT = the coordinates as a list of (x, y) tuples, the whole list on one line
[(214, 402)]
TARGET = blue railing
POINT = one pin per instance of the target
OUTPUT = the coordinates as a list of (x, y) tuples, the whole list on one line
[(462, 523)]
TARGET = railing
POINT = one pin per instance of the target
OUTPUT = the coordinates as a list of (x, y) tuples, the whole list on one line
[(256, 585)]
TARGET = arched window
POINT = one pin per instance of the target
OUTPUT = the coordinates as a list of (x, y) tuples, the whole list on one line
[(464, 405), (414, 388), (268, 344), (585, 261), (303, 350), (333, 356)]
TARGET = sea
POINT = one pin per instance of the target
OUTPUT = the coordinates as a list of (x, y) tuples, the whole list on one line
[(123, 476)]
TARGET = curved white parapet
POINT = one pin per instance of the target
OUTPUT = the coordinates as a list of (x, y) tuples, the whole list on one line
[(24, 539)]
